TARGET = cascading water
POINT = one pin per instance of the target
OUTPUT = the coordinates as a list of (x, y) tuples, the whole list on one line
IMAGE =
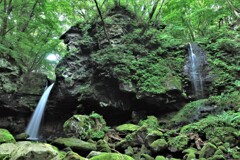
[(196, 65), (34, 125)]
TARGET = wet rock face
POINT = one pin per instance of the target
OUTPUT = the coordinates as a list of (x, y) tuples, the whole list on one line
[(19, 94), (197, 70)]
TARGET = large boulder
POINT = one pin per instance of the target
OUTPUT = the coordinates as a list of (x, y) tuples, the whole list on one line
[(28, 151), (75, 144), (116, 75), (85, 127)]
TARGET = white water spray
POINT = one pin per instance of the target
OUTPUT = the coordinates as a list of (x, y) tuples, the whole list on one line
[(34, 125), (196, 75)]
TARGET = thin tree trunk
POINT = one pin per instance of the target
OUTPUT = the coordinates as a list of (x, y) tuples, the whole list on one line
[(104, 27), (103, 3), (25, 26), (159, 11), (7, 9), (150, 17)]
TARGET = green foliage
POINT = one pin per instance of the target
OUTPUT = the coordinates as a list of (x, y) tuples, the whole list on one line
[(151, 122), (127, 128), (141, 61), (179, 142), (86, 127), (189, 112), (225, 119)]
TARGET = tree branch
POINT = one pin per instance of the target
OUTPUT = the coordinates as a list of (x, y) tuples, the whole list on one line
[(29, 17), (104, 27)]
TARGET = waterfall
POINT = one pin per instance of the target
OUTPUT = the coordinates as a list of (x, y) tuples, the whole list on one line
[(196, 73), (34, 124)]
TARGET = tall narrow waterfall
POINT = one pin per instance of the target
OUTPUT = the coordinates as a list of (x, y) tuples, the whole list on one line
[(34, 125), (196, 71)]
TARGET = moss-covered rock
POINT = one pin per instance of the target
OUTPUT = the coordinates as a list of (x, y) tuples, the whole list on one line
[(73, 156), (6, 149), (151, 123), (75, 144), (28, 151), (85, 127), (159, 145), (103, 146), (5, 136), (178, 143), (21, 136), (127, 128), (111, 156), (190, 112)]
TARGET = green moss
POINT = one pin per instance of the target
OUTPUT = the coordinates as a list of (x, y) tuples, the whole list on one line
[(179, 142), (159, 145), (73, 156), (139, 63), (111, 156), (75, 143), (5, 136), (190, 153), (86, 127), (151, 123), (189, 112), (160, 158), (127, 128)]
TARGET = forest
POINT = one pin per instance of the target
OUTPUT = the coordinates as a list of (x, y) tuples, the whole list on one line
[(119, 79)]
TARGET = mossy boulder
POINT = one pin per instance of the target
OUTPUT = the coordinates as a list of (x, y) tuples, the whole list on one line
[(151, 122), (85, 127), (111, 156), (159, 145), (21, 136), (5, 136), (178, 143), (6, 149), (145, 134), (73, 156), (127, 128), (134, 139), (28, 151), (190, 153), (75, 144)]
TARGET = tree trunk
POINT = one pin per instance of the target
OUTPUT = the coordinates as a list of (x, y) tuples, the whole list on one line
[(150, 16)]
